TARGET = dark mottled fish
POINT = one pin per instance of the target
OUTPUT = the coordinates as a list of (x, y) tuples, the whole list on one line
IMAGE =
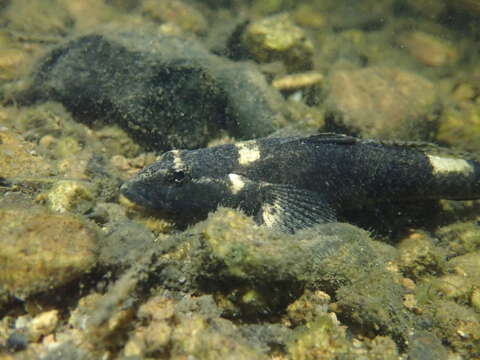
[(295, 182)]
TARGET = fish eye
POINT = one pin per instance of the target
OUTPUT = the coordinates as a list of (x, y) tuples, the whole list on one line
[(178, 177)]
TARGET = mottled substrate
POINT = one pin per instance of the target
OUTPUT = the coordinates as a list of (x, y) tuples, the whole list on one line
[(90, 276)]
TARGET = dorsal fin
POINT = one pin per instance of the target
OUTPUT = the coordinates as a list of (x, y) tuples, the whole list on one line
[(430, 149)]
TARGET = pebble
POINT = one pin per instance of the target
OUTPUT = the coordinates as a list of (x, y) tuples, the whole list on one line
[(278, 38), (298, 81), (382, 103), (68, 195), (428, 49), (179, 12), (17, 158), (41, 251), (43, 324)]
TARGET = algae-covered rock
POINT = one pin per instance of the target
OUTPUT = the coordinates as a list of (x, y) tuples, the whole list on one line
[(41, 251), (387, 103), (457, 325), (278, 38), (459, 238), (164, 91), (323, 338), (337, 258), (18, 158), (329, 254), (419, 256), (70, 195), (427, 49), (49, 17), (190, 327), (460, 127), (179, 12)]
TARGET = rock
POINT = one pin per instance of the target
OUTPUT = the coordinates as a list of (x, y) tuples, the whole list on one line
[(426, 346), (43, 324), (419, 256), (87, 14), (336, 258), (386, 103), (460, 127), (41, 251), (45, 18), (17, 341), (278, 38), (428, 49), (456, 325), (124, 243), (297, 81), (18, 158), (324, 338), (459, 238), (164, 91), (179, 12), (70, 195)]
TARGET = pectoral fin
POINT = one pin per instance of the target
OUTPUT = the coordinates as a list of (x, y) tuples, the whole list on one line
[(288, 208)]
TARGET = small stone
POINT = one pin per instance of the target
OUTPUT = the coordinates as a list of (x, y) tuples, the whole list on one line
[(419, 256), (41, 251), (453, 286), (298, 81), (322, 338), (17, 158), (459, 127), (278, 38), (428, 49), (408, 284), (43, 324), (379, 102), (157, 336), (17, 341), (410, 302), (184, 15), (68, 195), (467, 265)]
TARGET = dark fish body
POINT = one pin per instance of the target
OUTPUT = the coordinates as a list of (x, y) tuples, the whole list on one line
[(295, 182)]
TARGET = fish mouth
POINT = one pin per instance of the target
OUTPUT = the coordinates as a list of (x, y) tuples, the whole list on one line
[(136, 194)]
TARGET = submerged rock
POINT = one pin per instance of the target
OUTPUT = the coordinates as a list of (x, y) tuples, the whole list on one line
[(386, 103), (41, 251), (166, 92), (278, 38)]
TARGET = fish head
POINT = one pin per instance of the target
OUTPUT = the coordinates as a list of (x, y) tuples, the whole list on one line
[(170, 184)]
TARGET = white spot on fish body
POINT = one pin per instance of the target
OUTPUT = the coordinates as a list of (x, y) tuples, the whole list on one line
[(444, 166), (248, 152), (236, 183)]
